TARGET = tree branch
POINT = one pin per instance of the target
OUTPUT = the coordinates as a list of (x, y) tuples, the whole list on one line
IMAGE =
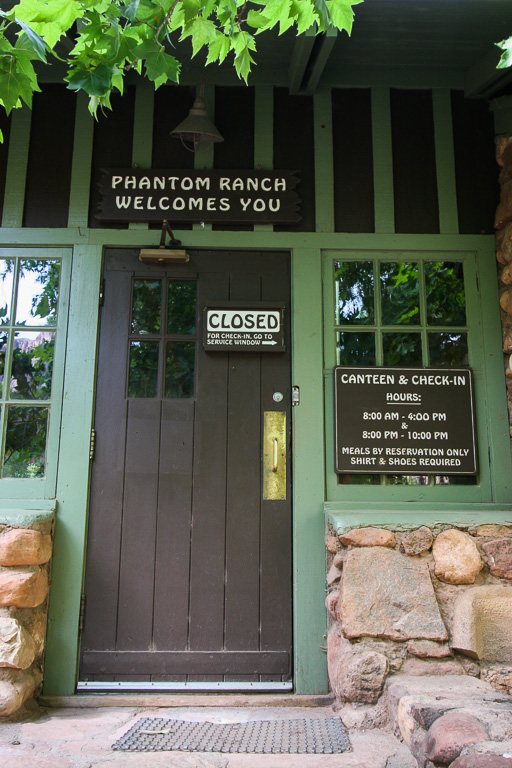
[(166, 20)]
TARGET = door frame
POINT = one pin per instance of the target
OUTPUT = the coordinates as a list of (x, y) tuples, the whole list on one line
[(309, 623)]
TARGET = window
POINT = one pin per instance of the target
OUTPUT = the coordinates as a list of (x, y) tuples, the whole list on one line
[(162, 339), (31, 306), (409, 310)]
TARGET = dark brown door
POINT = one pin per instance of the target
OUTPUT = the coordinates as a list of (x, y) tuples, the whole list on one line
[(188, 575)]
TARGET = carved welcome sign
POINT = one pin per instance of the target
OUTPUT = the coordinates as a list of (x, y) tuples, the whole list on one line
[(138, 194)]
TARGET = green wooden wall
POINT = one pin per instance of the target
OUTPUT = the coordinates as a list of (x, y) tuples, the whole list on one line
[(307, 248)]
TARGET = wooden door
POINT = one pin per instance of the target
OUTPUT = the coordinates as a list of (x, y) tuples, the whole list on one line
[(188, 575)]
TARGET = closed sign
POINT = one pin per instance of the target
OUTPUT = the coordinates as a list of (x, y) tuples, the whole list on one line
[(243, 328)]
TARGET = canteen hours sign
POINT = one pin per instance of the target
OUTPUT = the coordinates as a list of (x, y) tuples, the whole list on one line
[(407, 421)]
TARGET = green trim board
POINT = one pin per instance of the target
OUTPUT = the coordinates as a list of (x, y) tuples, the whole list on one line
[(310, 673), (400, 518), (73, 480), (445, 161), (78, 214), (16, 173)]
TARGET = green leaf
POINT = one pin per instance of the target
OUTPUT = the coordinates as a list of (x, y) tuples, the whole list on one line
[(202, 31), (191, 9), (218, 48), (162, 65), (95, 82), (15, 85), (506, 56), (49, 19), (342, 14), (129, 11), (257, 20), (305, 15), (37, 43)]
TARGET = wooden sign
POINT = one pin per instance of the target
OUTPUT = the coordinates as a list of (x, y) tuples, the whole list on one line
[(243, 327), (405, 421), (137, 194)]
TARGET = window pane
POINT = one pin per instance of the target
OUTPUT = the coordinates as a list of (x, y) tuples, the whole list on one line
[(143, 374), (354, 292), (25, 442), (38, 292), (179, 369), (182, 308), (448, 350), (146, 307), (399, 294), (32, 366), (6, 279), (355, 348), (444, 287), (402, 348)]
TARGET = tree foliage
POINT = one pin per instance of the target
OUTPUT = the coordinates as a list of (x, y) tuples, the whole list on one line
[(110, 37), (506, 56)]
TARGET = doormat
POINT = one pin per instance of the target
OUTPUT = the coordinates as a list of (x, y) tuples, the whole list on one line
[(318, 737)]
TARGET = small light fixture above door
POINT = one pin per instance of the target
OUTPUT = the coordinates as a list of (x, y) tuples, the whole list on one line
[(197, 128)]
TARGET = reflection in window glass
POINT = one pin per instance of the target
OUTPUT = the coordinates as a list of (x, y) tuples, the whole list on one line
[(354, 292), (146, 306), (32, 366), (143, 370), (38, 292), (448, 350), (408, 479), (444, 289), (3, 353), (181, 319), (399, 293), (6, 280), (355, 348), (179, 369), (402, 348), (358, 479), (25, 442)]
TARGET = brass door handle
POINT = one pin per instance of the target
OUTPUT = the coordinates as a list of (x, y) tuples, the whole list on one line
[(274, 465)]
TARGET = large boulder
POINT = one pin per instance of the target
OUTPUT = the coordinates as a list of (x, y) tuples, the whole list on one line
[(481, 623), (448, 735), (385, 594), (456, 557), (17, 648)]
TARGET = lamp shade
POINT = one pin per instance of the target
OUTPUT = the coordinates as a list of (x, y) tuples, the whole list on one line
[(197, 127)]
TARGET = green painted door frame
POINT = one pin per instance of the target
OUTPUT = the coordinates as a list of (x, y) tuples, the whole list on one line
[(73, 482)]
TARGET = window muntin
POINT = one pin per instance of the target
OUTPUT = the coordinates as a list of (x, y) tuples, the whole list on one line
[(29, 307), (162, 343), (414, 314)]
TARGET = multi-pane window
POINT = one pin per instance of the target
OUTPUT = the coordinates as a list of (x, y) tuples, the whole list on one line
[(29, 311), (162, 339), (401, 313)]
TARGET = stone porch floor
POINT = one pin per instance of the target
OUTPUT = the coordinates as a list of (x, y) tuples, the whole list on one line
[(78, 733)]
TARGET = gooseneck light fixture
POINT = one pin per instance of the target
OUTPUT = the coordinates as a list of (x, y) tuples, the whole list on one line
[(197, 128)]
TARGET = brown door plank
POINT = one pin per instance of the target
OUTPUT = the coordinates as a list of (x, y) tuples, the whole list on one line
[(242, 600), (205, 663), (209, 490)]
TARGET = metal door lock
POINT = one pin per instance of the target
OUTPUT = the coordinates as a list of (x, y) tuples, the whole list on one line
[(277, 397)]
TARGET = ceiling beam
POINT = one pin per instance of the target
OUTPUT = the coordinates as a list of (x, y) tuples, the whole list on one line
[(300, 57), (318, 60), (483, 79)]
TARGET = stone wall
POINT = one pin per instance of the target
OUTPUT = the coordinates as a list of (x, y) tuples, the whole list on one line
[(25, 554), (422, 602), (503, 226)]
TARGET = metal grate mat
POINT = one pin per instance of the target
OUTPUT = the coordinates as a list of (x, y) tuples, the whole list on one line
[(324, 736)]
